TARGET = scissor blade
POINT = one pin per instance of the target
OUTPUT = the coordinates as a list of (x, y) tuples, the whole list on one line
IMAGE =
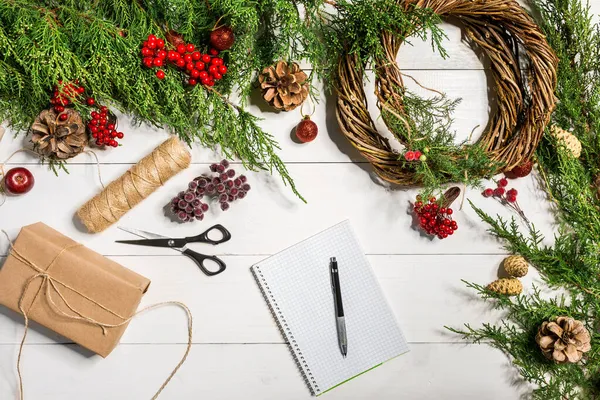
[(170, 243), (144, 234)]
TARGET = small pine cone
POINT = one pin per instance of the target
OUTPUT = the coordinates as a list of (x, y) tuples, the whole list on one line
[(284, 85), (515, 266), (568, 139), (564, 340), (507, 286)]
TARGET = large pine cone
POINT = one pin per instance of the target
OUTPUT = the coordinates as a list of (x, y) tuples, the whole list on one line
[(564, 340), (284, 86), (57, 139)]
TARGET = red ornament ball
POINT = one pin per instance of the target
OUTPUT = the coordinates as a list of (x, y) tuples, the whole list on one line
[(222, 38), (520, 171), (307, 130), (18, 181)]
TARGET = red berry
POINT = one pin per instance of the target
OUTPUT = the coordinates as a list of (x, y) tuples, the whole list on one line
[(213, 52), (499, 191), (181, 48), (200, 65), (160, 43), (189, 66), (210, 82), (146, 52), (161, 54), (187, 58), (190, 47), (90, 101), (449, 211), (195, 73), (93, 128), (432, 200), (59, 109), (409, 155), (151, 45), (120, 135), (206, 58), (148, 62), (217, 76), (114, 143), (151, 37), (222, 69), (103, 109), (180, 63), (100, 142), (205, 81), (417, 154), (512, 192), (160, 74), (80, 90), (203, 75), (213, 69), (215, 61), (63, 117), (196, 56), (172, 55), (503, 182), (193, 82), (511, 198), (158, 62), (488, 192)]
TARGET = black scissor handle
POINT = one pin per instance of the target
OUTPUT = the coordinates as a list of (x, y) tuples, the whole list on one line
[(199, 259), (203, 237)]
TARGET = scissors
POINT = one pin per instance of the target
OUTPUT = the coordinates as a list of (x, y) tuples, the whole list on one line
[(180, 245)]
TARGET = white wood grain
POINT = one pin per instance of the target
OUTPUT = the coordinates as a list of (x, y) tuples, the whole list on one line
[(424, 291), (252, 371), (270, 218)]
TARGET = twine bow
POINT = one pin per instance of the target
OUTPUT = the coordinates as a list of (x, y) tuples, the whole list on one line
[(50, 286)]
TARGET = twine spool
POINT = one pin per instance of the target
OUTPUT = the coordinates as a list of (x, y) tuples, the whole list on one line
[(135, 185)]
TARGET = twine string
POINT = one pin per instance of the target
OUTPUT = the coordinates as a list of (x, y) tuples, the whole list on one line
[(131, 188), (50, 285)]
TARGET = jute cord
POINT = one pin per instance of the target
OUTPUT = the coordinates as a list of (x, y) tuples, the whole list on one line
[(50, 285), (131, 188), (507, 35)]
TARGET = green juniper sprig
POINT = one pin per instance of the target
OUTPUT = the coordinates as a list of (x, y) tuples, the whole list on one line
[(572, 263)]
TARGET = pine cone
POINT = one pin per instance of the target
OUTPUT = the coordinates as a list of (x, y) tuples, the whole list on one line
[(569, 140), (284, 86), (507, 286), (564, 340), (57, 139), (515, 266)]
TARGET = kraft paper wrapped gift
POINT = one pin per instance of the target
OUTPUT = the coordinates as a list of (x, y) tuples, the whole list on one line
[(69, 288)]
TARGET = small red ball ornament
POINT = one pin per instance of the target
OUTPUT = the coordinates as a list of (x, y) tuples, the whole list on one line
[(307, 130), (222, 38)]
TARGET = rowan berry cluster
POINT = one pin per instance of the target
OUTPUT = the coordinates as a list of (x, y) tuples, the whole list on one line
[(507, 197), (435, 219)]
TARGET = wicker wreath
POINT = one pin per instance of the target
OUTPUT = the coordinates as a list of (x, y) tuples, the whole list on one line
[(508, 36)]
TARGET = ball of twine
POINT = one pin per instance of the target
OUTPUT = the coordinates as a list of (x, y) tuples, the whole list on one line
[(507, 35), (121, 195)]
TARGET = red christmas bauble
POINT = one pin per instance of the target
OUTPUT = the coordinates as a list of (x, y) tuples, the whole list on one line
[(520, 171), (222, 38), (307, 130)]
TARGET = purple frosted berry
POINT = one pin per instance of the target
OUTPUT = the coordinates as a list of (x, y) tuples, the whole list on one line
[(243, 178), (182, 204), (224, 206), (223, 177), (189, 197), (196, 203), (216, 180), (225, 163), (220, 169), (202, 182), (192, 185), (246, 187), (200, 191), (223, 197), (213, 167), (189, 209), (237, 182), (182, 215), (181, 194), (210, 188), (231, 173), (198, 211), (229, 184), (200, 217), (175, 201), (241, 194), (204, 207), (220, 188), (234, 192), (230, 198)]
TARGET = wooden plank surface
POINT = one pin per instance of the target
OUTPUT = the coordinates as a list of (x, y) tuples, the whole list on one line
[(238, 351)]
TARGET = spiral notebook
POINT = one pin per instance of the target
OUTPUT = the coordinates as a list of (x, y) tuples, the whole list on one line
[(297, 287)]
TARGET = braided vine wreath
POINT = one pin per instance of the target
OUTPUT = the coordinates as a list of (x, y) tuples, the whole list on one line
[(507, 35)]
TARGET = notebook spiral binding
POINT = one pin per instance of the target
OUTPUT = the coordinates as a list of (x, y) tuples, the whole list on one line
[(287, 333)]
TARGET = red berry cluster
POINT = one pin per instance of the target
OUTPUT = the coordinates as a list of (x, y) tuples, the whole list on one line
[(103, 128), (64, 94), (201, 68), (435, 220), (501, 192), (415, 155), (223, 184), (506, 197)]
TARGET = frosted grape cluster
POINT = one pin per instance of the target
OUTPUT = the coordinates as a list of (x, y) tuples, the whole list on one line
[(222, 185)]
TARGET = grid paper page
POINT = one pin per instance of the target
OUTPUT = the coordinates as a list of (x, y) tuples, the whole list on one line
[(297, 284)]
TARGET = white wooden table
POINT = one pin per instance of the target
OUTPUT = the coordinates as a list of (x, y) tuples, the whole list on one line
[(238, 351)]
